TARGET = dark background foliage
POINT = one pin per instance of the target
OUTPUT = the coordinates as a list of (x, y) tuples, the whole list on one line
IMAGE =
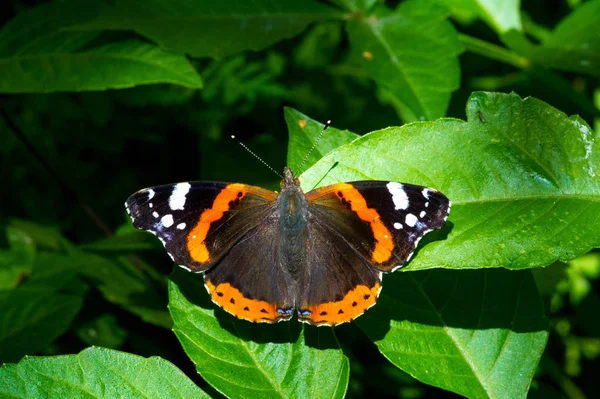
[(71, 155)]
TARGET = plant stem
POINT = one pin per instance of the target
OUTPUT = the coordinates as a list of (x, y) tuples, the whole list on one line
[(493, 51)]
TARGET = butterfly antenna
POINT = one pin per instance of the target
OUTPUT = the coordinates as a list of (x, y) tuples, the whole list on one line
[(255, 156), (314, 145)]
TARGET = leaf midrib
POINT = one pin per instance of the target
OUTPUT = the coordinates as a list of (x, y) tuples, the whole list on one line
[(583, 197), (396, 62), (445, 327), (241, 343)]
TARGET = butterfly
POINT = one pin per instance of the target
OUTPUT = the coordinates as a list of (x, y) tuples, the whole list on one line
[(267, 255)]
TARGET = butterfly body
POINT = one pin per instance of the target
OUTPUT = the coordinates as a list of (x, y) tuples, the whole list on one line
[(268, 255)]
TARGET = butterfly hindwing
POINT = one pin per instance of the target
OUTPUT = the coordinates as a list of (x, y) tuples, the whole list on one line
[(248, 281), (339, 285), (397, 216), (198, 222)]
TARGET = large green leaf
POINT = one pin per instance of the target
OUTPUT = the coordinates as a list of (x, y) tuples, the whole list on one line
[(115, 65), (479, 333), (521, 175), (304, 132), (96, 373), (422, 77), (245, 360), (212, 28), (37, 54), (464, 331)]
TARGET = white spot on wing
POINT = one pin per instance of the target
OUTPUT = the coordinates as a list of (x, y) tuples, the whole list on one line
[(427, 204), (181, 226), (177, 198), (150, 194), (150, 205), (398, 195), (422, 214), (426, 192), (155, 214), (397, 226), (167, 220), (411, 220)]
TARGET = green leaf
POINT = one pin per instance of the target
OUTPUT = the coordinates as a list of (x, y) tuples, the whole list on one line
[(245, 360), (16, 264), (423, 76), (575, 44), (38, 27), (122, 282), (96, 373), (125, 242), (41, 308), (14, 268), (54, 272), (103, 331), (43, 237), (212, 28), (31, 319), (501, 15), (478, 333), (304, 131), (355, 5), (115, 65), (40, 55), (521, 175)]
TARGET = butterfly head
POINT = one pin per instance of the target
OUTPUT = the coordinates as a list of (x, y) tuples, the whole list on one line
[(289, 180)]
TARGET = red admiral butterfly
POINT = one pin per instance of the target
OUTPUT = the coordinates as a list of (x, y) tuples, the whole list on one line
[(265, 255)]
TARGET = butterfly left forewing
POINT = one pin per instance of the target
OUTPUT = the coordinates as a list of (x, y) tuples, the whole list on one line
[(198, 222), (384, 221)]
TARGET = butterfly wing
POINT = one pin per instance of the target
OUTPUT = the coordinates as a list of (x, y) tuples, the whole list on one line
[(198, 222), (248, 281), (359, 230), (228, 231), (382, 221), (340, 285)]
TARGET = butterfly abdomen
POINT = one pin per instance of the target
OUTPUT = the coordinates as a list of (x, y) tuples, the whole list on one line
[(293, 234)]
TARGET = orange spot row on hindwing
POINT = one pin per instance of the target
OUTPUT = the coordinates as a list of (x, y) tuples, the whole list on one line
[(234, 302), (355, 303)]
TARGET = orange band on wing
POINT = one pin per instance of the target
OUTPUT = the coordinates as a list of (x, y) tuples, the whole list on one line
[(355, 303), (229, 196), (234, 302), (384, 245)]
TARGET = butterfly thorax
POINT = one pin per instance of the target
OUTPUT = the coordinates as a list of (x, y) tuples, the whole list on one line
[(293, 208)]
